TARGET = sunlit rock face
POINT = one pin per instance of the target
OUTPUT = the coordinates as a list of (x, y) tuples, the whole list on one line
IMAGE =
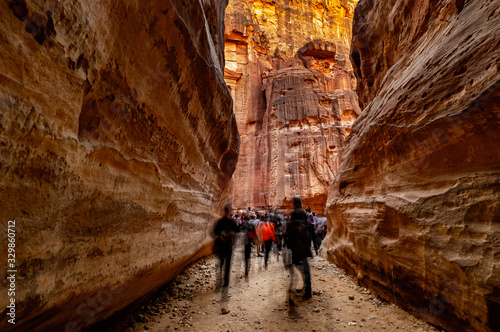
[(414, 211), (117, 146), (288, 69)]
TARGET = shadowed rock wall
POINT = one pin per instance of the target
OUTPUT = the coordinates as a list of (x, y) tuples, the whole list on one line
[(289, 112), (117, 147), (414, 211)]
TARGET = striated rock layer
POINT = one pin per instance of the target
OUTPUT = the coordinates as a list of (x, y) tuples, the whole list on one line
[(117, 146), (303, 135), (288, 70), (414, 211)]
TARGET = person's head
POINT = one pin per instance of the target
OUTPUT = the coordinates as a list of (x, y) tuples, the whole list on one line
[(314, 213), (227, 209), (297, 202)]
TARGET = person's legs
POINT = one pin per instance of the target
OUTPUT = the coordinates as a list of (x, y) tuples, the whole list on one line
[(312, 234), (218, 281), (319, 238), (228, 253), (307, 279), (257, 244), (291, 270), (248, 250), (268, 245)]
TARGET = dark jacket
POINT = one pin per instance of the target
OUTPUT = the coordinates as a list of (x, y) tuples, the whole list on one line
[(298, 239), (225, 230)]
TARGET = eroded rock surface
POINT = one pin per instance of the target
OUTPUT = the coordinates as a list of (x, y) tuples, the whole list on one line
[(303, 135), (117, 146), (288, 70), (414, 212)]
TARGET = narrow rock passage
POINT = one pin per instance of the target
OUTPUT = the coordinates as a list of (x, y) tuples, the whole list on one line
[(190, 303)]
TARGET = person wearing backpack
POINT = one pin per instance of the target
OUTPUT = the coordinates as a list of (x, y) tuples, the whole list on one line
[(225, 231), (299, 242), (250, 237)]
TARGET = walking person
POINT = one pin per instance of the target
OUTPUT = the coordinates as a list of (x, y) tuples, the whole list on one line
[(278, 230), (311, 230), (299, 242), (268, 237), (320, 227), (249, 242), (225, 231), (258, 239)]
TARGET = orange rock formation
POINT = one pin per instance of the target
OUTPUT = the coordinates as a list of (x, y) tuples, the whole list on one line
[(288, 71), (414, 211), (117, 144)]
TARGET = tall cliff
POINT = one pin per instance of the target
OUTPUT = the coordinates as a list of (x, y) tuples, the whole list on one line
[(414, 212), (288, 70), (117, 146)]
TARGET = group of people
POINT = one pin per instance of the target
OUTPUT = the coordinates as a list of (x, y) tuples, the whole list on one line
[(292, 233)]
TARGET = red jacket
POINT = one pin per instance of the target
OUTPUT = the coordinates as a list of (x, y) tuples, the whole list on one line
[(268, 231)]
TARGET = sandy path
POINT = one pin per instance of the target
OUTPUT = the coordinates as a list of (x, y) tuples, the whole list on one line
[(191, 304)]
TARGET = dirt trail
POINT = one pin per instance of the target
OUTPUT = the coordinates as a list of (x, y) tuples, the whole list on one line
[(190, 303)]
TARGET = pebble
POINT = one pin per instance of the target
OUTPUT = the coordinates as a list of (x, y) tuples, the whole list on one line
[(351, 297), (316, 310)]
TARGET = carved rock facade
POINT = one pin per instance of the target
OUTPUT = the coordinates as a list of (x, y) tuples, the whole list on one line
[(414, 211), (288, 70), (117, 145)]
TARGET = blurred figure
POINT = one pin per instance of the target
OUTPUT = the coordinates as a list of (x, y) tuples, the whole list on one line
[(249, 242), (311, 230), (278, 230), (238, 219), (255, 222), (258, 238), (320, 228), (268, 237), (299, 242), (225, 231)]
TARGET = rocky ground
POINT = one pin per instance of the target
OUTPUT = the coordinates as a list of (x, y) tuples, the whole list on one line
[(190, 303)]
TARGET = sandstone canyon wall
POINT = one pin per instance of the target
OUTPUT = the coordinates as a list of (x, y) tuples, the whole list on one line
[(117, 146), (414, 211), (288, 70)]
